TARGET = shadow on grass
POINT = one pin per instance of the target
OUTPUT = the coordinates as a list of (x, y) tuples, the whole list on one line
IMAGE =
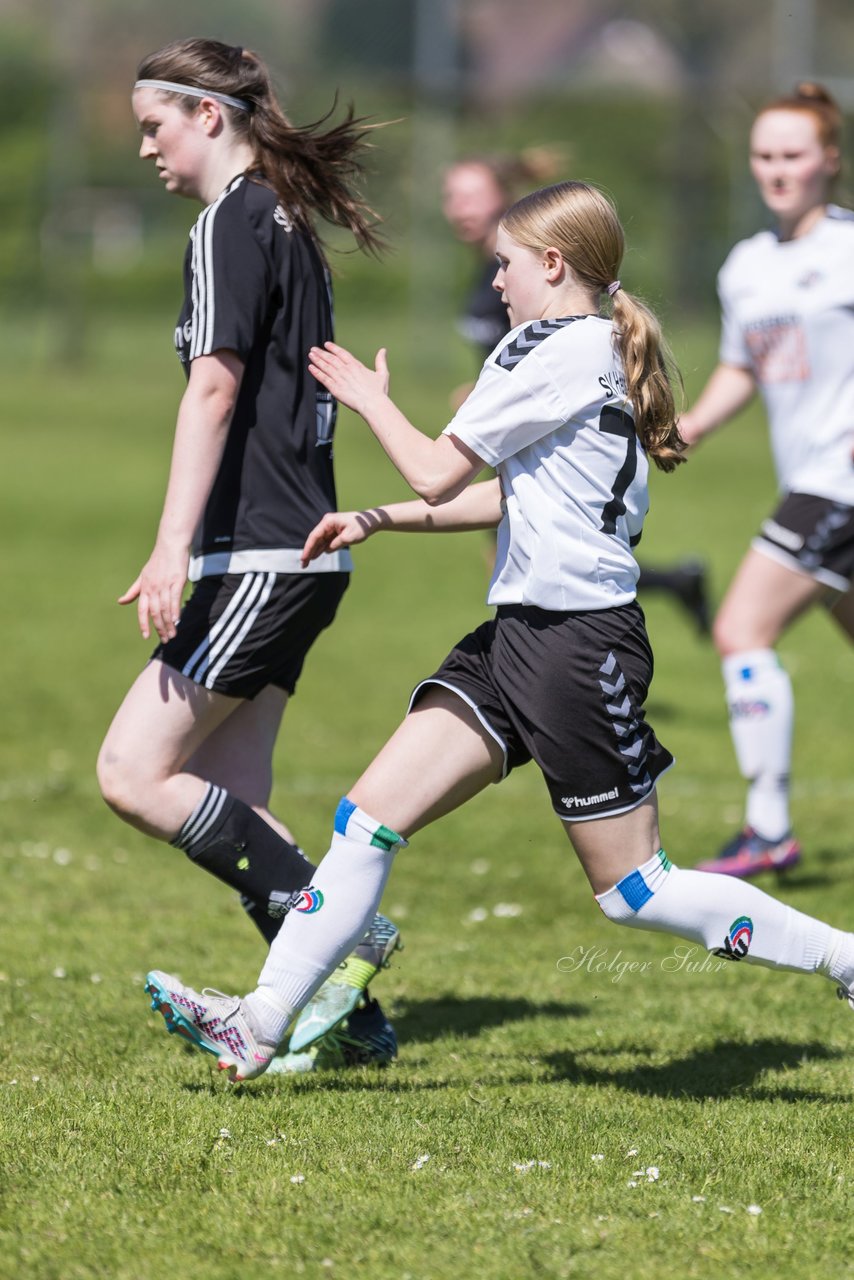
[(722, 1070), (811, 878), (422, 1021)]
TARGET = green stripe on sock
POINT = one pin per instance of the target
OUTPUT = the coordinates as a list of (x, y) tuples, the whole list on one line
[(385, 838), (664, 860)]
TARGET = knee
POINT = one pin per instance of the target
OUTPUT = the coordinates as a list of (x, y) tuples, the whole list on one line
[(731, 634), (119, 782)]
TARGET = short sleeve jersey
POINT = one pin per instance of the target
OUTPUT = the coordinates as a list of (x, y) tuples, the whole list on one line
[(256, 285), (788, 316), (550, 413)]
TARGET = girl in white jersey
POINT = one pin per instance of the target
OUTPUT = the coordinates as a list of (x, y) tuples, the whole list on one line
[(787, 297), (568, 410), (188, 757)]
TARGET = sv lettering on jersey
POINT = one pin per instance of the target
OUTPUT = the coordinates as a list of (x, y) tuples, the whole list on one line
[(614, 383)]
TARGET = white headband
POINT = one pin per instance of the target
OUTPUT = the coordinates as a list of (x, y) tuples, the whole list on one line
[(169, 87)]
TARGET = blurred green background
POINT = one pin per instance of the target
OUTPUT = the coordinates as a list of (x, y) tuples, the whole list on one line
[(651, 99)]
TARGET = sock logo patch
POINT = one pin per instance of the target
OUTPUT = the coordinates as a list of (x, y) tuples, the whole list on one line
[(243, 864), (738, 939), (748, 708), (308, 900)]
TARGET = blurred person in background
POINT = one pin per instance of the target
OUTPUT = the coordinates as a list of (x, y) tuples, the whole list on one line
[(476, 191), (188, 757), (787, 301)]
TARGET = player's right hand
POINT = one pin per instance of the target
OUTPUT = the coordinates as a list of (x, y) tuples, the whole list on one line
[(157, 592)]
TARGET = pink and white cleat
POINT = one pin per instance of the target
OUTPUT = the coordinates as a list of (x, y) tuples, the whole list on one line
[(211, 1021), (748, 854)]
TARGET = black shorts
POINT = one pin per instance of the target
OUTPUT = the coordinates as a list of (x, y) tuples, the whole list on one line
[(240, 632), (811, 535), (567, 691)]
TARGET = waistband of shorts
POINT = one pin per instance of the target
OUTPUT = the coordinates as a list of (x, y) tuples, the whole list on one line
[(214, 564), (560, 615)]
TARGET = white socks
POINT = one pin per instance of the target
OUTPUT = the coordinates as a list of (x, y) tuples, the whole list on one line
[(322, 928), (761, 714), (729, 918)]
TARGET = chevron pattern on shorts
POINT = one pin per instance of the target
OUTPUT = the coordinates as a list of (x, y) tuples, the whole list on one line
[(627, 726), (530, 337)]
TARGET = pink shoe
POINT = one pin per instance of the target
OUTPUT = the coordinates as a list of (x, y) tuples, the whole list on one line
[(748, 854)]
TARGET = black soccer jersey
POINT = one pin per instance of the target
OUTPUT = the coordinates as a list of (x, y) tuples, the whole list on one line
[(485, 320), (256, 285)]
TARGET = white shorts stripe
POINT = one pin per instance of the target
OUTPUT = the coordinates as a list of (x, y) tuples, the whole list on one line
[(251, 617), (225, 635), (199, 654)]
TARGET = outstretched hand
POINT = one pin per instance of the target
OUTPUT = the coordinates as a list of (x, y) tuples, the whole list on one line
[(157, 592), (350, 382), (339, 529)]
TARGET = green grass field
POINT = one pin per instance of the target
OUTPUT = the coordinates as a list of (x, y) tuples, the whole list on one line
[(542, 1086)]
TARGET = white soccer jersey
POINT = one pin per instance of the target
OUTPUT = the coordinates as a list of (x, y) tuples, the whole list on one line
[(788, 316), (549, 412)]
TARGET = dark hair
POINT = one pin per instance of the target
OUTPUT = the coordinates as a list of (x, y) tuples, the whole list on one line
[(314, 172), (581, 222), (812, 99)]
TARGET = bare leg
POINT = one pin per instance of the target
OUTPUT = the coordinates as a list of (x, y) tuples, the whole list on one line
[(439, 757), (610, 848), (238, 754), (162, 722), (763, 599)]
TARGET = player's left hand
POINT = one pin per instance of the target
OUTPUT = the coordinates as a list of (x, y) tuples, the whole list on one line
[(350, 382), (339, 529)]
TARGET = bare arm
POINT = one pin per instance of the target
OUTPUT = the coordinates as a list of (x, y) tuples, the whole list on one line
[(204, 417), (729, 389), (477, 507), (438, 470)]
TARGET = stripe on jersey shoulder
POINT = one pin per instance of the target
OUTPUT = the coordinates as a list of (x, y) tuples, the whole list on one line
[(203, 290), (530, 337)]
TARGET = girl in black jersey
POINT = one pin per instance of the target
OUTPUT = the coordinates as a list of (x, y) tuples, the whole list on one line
[(188, 757), (568, 410)]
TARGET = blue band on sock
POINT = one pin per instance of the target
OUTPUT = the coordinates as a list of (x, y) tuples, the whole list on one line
[(342, 815), (634, 890)]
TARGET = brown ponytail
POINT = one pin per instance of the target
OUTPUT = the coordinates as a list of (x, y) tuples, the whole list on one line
[(315, 172)]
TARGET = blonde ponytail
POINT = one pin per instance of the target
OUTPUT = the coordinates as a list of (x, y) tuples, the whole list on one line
[(649, 369), (580, 221)]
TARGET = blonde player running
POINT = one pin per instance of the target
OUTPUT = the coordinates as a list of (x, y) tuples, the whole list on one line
[(568, 411)]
